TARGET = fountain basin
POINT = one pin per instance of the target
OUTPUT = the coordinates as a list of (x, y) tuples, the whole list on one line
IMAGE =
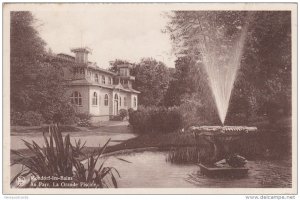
[(223, 129), (221, 138), (213, 172)]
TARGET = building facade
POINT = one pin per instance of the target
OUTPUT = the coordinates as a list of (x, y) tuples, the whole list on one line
[(96, 91)]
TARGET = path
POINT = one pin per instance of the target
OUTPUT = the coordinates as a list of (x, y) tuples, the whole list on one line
[(116, 130)]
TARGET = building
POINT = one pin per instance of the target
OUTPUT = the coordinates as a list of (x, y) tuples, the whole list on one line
[(97, 91)]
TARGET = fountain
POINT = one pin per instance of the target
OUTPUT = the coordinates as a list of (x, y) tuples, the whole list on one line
[(221, 56)]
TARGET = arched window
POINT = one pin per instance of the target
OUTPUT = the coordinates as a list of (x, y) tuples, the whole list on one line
[(116, 97), (106, 100), (103, 79), (120, 101), (95, 99), (76, 98), (96, 78), (134, 102), (125, 101), (109, 80)]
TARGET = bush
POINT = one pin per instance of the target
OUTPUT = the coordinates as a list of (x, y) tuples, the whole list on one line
[(84, 119), (155, 120), (130, 110), (123, 113), (116, 118), (16, 118), (83, 116), (29, 118), (62, 113)]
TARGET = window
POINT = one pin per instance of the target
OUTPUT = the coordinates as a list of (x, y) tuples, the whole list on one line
[(120, 101), (125, 101), (106, 100), (81, 70), (95, 99), (96, 78), (134, 102), (76, 98), (123, 71), (103, 79), (109, 80)]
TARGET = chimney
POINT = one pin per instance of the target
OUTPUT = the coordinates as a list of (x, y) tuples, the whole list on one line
[(81, 54)]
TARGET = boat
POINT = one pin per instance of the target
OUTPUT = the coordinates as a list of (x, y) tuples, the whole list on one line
[(216, 172)]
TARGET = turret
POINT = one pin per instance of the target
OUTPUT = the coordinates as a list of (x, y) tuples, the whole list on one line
[(81, 54)]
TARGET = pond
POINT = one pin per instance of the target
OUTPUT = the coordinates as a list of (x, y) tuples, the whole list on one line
[(149, 169)]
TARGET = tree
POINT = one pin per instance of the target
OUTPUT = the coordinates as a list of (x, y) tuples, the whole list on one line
[(264, 79), (265, 69), (27, 49), (114, 64), (189, 89), (36, 78), (151, 79)]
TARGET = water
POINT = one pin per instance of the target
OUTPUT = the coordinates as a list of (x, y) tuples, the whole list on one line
[(221, 58), (150, 170)]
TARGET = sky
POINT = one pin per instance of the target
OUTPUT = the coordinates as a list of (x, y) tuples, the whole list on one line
[(110, 33)]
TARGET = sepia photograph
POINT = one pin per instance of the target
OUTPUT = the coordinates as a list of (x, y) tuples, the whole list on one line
[(162, 98)]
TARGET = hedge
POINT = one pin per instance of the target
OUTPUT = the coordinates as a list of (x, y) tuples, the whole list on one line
[(155, 120)]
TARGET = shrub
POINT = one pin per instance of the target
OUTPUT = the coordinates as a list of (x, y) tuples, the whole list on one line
[(59, 157), (130, 110), (84, 119), (123, 113), (116, 118), (31, 118), (139, 120), (63, 113), (16, 118), (155, 120)]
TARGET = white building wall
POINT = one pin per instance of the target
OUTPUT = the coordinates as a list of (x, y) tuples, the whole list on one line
[(91, 76), (134, 107), (84, 91), (100, 108)]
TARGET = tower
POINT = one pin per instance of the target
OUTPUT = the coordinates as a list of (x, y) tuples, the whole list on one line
[(81, 54)]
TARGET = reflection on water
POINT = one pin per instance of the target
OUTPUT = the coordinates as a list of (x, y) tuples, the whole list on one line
[(150, 170)]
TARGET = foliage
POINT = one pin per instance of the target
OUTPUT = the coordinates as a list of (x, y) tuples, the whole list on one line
[(151, 79), (116, 118), (29, 118), (84, 119), (196, 113), (190, 154), (130, 110), (36, 79), (123, 113), (265, 71), (60, 158), (189, 89), (114, 64), (16, 118), (155, 120)]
